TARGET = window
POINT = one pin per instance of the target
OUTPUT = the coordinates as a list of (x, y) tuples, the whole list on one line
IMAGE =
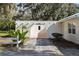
[(39, 27), (71, 28), (1, 10)]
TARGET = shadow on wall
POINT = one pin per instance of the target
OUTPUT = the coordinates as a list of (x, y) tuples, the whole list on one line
[(53, 28), (42, 39), (46, 32), (43, 33)]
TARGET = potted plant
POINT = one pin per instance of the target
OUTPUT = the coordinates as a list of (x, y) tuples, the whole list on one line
[(57, 36)]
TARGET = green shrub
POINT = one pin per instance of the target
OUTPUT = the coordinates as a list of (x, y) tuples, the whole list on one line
[(13, 33), (21, 35), (7, 25)]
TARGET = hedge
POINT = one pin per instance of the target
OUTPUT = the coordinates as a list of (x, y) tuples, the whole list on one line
[(6, 25)]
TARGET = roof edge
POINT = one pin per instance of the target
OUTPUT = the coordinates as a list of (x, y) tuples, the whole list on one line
[(69, 17)]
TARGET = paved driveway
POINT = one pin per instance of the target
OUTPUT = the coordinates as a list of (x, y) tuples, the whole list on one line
[(41, 47)]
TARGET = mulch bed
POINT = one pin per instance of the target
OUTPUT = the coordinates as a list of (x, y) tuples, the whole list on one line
[(65, 44)]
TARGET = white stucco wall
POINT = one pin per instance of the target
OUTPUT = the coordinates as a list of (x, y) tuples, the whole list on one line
[(71, 37), (52, 28), (34, 30), (47, 26)]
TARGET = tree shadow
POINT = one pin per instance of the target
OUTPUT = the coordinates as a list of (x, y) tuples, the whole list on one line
[(67, 48), (43, 42), (31, 53)]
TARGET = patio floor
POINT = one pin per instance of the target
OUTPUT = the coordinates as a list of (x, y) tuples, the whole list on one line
[(41, 47)]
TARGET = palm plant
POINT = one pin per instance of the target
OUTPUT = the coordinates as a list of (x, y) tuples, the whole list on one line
[(21, 35), (13, 33)]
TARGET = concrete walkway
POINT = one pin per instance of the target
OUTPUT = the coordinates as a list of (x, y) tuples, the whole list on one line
[(35, 47), (41, 47)]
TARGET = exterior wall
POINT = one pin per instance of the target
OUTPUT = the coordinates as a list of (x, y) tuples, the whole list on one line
[(35, 33), (47, 28), (60, 27), (52, 28), (71, 37)]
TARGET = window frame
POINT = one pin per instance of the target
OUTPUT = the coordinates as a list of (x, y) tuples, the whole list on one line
[(71, 28)]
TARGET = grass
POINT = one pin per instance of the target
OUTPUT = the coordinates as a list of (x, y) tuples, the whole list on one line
[(3, 34)]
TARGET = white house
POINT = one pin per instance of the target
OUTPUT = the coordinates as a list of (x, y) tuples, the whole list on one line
[(68, 26)]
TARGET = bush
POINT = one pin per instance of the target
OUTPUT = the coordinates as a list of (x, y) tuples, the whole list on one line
[(7, 25), (21, 35)]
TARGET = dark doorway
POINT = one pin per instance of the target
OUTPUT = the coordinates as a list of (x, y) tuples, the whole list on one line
[(39, 27)]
